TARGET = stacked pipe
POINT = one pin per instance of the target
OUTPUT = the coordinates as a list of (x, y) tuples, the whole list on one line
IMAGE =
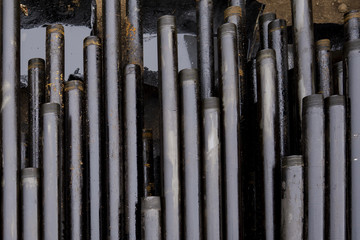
[(246, 161)]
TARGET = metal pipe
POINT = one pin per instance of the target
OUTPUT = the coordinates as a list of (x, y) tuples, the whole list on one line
[(291, 56), (236, 15), (10, 129), (303, 36), (148, 163), (93, 133), (31, 203), (324, 81), (212, 169), (75, 187), (170, 132), (54, 90), (292, 200), (191, 153), (24, 97), (313, 143), (133, 125), (151, 218), (113, 120), (55, 52), (134, 32), (51, 130), (36, 84), (336, 167), (264, 21), (338, 78), (205, 18), (278, 42), (228, 67), (269, 136), (352, 25), (352, 71)]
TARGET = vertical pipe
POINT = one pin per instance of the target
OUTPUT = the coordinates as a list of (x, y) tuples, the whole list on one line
[(55, 51), (352, 25), (170, 134), (31, 203), (278, 42), (313, 141), (264, 21), (93, 133), (352, 71), (303, 35), (36, 83), (134, 32), (236, 15), (148, 163), (10, 132), (270, 155), (133, 115), (292, 200), (24, 97), (338, 78), (336, 166), (191, 155), (51, 132), (324, 82), (75, 186), (113, 120), (212, 169), (205, 18), (290, 56), (228, 64), (151, 218), (55, 55)]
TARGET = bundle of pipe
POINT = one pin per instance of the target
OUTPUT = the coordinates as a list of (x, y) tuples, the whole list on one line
[(91, 162)]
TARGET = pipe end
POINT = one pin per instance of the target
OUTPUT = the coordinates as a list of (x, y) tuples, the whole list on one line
[(211, 103), (166, 20), (292, 160), (277, 24), (74, 84), (355, 13), (50, 108), (147, 133), (153, 202), (233, 10), (335, 100), (30, 173), (227, 28), (189, 74), (352, 45), (264, 54), (267, 17), (314, 100), (92, 40), (36, 63)]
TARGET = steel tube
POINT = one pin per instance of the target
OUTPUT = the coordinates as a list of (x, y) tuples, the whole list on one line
[(55, 53), (352, 25), (228, 67), (93, 133), (338, 78), (31, 203), (336, 168), (113, 120), (75, 186), (313, 143), (324, 81), (148, 163), (205, 18), (303, 35), (51, 130), (191, 153), (170, 128), (134, 32), (10, 121), (269, 135), (36, 84), (292, 201), (212, 169), (133, 125), (278, 42), (264, 21), (151, 218), (352, 71)]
